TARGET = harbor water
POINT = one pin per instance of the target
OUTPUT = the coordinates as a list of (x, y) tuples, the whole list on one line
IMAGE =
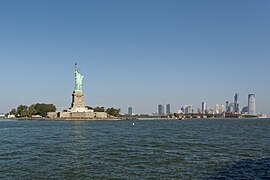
[(156, 149)]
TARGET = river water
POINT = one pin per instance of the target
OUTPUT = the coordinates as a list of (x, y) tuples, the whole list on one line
[(158, 149)]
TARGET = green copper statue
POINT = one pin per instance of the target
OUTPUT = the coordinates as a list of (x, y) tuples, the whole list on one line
[(78, 79)]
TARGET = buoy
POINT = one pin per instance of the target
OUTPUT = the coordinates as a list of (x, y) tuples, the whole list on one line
[(133, 124)]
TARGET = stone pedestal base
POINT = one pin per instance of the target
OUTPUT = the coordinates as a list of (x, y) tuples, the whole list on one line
[(83, 115), (77, 100), (77, 104)]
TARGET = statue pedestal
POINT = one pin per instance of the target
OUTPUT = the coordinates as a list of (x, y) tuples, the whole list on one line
[(77, 104)]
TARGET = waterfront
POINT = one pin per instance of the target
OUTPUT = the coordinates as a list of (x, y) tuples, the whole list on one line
[(189, 149)]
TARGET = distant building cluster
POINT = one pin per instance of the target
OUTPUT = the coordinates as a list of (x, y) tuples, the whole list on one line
[(232, 108), (161, 110), (229, 107)]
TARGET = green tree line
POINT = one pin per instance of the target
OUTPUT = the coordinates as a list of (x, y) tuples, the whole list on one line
[(34, 109), (111, 111), (43, 109)]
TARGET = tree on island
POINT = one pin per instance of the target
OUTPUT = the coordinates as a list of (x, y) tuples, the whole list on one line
[(22, 110), (110, 111), (34, 109), (113, 112), (43, 109), (13, 111), (99, 109)]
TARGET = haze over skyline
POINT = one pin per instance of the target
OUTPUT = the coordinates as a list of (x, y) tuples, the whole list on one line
[(135, 53)]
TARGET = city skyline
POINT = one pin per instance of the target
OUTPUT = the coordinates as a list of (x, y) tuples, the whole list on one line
[(135, 54), (228, 106)]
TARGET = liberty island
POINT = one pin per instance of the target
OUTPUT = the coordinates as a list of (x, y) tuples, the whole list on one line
[(78, 110)]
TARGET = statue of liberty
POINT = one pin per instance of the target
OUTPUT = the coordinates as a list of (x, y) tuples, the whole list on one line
[(78, 79)]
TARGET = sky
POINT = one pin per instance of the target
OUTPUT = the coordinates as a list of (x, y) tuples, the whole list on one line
[(135, 53)]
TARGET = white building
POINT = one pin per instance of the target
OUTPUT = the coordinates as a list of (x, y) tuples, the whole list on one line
[(2, 115), (222, 109), (251, 104), (188, 109), (231, 107), (216, 109), (11, 116)]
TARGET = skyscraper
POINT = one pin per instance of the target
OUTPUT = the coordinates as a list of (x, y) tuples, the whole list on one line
[(160, 110), (222, 109), (236, 103), (203, 107), (168, 109), (227, 106), (188, 109), (231, 109), (130, 111), (216, 110), (251, 104)]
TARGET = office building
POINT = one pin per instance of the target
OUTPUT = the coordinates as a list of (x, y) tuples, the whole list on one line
[(236, 103), (251, 104), (222, 109), (216, 110), (204, 108), (227, 106), (188, 109), (130, 111), (231, 108), (160, 110), (245, 110), (183, 109), (168, 109)]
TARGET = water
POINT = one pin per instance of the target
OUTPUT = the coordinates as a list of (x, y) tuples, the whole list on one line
[(189, 149)]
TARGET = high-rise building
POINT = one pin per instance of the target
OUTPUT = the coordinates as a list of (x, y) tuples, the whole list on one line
[(222, 109), (188, 109), (216, 110), (130, 111), (209, 110), (168, 109), (231, 109), (204, 108), (251, 104), (236, 103), (183, 109), (160, 110), (245, 110), (227, 106)]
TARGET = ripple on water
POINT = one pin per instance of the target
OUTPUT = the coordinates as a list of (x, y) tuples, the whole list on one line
[(192, 149)]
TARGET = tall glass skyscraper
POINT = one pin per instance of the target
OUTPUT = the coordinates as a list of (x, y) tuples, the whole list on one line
[(168, 109), (188, 109), (236, 103), (203, 107), (160, 110), (130, 111), (227, 106), (251, 104)]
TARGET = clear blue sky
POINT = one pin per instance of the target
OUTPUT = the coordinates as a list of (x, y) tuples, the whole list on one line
[(135, 53)]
